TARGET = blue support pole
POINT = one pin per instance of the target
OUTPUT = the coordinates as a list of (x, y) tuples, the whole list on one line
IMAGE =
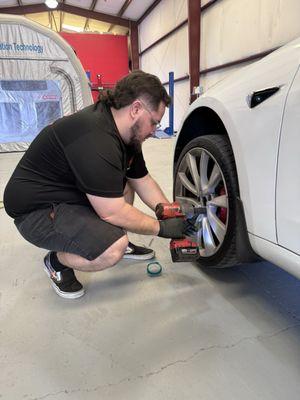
[(170, 129), (88, 74)]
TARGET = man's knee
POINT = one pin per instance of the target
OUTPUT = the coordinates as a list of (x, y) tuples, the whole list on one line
[(110, 256), (115, 252)]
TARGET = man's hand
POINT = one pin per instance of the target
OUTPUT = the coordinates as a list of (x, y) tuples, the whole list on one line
[(172, 228)]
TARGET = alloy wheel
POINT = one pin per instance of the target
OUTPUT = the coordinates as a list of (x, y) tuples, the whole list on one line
[(200, 182)]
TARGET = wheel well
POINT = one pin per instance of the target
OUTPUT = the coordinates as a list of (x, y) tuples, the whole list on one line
[(202, 121)]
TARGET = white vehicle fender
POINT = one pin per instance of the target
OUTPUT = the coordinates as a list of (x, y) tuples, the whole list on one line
[(218, 107)]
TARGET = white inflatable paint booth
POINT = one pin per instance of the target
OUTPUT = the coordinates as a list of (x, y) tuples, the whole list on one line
[(41, 80)]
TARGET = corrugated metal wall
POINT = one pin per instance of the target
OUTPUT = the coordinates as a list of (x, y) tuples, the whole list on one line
[(169, 55), (230, 30), (235, 29)]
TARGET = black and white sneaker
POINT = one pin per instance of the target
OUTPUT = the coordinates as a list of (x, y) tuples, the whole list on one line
[(138, 252), (63, 282)]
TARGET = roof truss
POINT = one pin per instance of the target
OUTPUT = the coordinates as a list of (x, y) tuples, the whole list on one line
[(38, 8)]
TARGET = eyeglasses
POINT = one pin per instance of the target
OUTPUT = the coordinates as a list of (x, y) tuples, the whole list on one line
[(154, 122)]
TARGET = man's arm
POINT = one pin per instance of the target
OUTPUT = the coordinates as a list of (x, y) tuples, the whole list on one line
[(117, 212), (148, 190)]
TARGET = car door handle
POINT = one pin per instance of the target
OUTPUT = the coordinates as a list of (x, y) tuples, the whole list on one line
[(259, 96)]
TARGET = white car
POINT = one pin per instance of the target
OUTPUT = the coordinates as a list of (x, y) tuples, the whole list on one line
[(238, 154)]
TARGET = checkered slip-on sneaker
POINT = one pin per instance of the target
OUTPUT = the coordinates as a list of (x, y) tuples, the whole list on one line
[(63, 282), (138, 252)]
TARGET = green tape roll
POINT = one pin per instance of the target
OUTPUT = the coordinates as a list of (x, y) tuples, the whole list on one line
[(154, 268)]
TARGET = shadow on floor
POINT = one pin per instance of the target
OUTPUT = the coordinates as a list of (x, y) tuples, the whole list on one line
[(277, 287)]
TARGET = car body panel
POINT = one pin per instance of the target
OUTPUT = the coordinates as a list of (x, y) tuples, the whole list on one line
[(288, 177), (254, 133), (278, 255)]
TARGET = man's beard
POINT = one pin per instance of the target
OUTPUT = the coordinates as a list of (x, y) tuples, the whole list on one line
[(135, 141)]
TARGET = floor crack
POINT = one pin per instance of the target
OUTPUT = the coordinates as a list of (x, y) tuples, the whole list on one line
[(229, 346), (182, 361)]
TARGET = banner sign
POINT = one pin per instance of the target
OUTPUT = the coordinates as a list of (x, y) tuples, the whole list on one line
[(21, 47), (18, 41)]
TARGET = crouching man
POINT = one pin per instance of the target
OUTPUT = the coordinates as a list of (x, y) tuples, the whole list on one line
[(72, 192)]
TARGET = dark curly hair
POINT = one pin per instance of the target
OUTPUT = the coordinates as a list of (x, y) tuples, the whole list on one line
[(136, 84)]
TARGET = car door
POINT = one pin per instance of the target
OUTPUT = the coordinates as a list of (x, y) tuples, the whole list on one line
[(288, 176)]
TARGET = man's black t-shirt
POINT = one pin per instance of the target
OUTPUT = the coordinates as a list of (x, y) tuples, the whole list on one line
[(78, 154)]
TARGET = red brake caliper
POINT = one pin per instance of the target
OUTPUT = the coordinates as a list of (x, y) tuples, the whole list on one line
[(223, 210)]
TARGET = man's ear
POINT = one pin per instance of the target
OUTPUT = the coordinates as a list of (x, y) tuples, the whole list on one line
[(135, 108)]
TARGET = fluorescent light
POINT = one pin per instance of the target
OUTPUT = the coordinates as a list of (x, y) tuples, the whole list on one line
[(72, 28), (51, 3)]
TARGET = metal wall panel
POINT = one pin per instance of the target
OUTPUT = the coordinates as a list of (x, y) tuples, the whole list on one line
[(181, 102), (230, 30), (165, 17), (210, 79), (234, 29), (169, 55)]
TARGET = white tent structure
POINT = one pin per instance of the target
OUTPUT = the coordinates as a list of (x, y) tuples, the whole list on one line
[(41, 79)]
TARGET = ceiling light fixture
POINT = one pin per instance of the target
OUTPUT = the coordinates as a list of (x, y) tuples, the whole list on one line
[(51, 3)]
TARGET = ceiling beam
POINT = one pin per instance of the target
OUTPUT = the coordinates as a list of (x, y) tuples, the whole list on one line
[(124, 7), (38, 8), (148, 11), (121, 12), (92, 7), (50, 20), (54, 21), (21, 10), (96, 15), (61, 18)]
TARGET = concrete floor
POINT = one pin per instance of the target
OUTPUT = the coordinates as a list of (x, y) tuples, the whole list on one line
[(189, 334)]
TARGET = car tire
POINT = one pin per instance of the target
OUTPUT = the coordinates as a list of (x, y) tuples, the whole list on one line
[(209, 159)]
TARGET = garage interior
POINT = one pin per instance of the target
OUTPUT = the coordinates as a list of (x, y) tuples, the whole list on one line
[(191, 332)]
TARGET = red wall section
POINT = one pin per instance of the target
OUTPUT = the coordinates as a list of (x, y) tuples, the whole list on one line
[(101, 54)]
